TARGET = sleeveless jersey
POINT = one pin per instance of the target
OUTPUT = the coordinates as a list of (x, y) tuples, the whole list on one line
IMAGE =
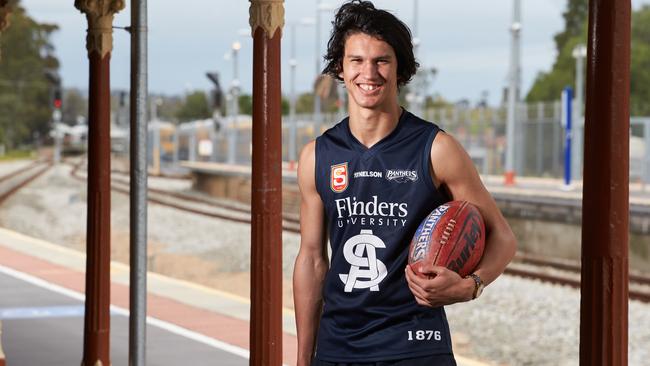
[(374, 200)]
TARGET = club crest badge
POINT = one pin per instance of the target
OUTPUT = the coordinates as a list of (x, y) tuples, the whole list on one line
[(339, 177)]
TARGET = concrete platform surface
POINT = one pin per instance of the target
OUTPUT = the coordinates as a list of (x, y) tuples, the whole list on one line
[(47, 329), (41, 309)]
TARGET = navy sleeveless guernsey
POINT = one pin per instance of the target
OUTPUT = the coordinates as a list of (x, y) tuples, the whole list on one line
[(374, 200)]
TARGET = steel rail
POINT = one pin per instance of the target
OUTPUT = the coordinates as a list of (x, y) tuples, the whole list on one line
[(197, 211), (570, 267), (232, 207), (4, 196), (559, 280), (19, 171)]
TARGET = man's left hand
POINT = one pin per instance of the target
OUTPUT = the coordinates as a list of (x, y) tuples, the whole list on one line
[(438, 286)]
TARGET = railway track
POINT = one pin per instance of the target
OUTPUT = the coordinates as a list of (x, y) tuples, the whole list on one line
[(194, 203), (12, 182), (560, 272), (567, 273)]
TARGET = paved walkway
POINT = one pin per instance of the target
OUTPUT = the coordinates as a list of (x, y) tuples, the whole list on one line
[(221, 335), (41, 309), (49, 330)]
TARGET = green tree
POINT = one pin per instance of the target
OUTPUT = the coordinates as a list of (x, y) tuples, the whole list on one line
[(168, 109), (245, 104), (305, 103), (25, 93), (640, 63), (575, 20), (549, 85), (285, 106), (195, 107)]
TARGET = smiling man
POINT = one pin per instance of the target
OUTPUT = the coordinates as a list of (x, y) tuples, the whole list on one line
[(367, 183)]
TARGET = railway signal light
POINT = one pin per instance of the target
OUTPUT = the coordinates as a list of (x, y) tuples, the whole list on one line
[(217, 93), (123, 96), (57, 98)]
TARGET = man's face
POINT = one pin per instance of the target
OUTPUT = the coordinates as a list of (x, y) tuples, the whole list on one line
[(369, 72)]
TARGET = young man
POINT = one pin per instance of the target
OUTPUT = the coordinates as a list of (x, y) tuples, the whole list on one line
[(368, 182)]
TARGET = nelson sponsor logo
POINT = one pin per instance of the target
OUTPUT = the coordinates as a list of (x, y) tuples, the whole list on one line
[(401, 176), (368, 174)]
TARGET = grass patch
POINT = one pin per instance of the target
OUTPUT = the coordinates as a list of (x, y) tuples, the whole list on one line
[(17, 155)]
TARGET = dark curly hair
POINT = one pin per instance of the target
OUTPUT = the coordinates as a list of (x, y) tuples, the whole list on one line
[(359, 16)]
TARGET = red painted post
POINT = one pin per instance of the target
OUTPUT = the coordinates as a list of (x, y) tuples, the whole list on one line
[(2, 355), (4, 23), (99, 43), (604, 300), (266, 20)]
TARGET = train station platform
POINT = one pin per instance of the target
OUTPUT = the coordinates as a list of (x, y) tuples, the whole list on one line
[(544, 213), (41, 313), (217, 178)]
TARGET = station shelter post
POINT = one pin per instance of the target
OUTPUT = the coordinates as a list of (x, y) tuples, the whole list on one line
[(605, 207), (266, 21), (99, 43)]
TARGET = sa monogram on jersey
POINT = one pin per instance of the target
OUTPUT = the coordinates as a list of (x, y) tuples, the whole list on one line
[(360, 252), (339, 177)]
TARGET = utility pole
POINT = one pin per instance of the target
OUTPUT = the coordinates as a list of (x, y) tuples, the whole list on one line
[(293, 63), (513, 92), (139, 95), (317, 101), (56, 121), (234, 91), (579, 53), (320, 7)]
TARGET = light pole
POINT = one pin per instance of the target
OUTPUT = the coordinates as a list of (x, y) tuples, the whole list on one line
[(415, 24), (423, 78), (320, 7), (513, 91), (413, 96), (579, 53), (234, 91), (293, 63)]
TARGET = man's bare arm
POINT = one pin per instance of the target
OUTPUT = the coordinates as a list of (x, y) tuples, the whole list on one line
[(454, 171), (311, 262)]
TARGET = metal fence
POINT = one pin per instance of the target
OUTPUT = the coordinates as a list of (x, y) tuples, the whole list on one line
[(539, 136), (539, 139)]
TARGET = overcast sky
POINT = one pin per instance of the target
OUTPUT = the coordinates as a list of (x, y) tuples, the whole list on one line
[(467, 41)]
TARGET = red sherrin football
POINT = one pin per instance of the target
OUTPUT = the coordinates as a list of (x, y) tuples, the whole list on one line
[(452, 236)]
